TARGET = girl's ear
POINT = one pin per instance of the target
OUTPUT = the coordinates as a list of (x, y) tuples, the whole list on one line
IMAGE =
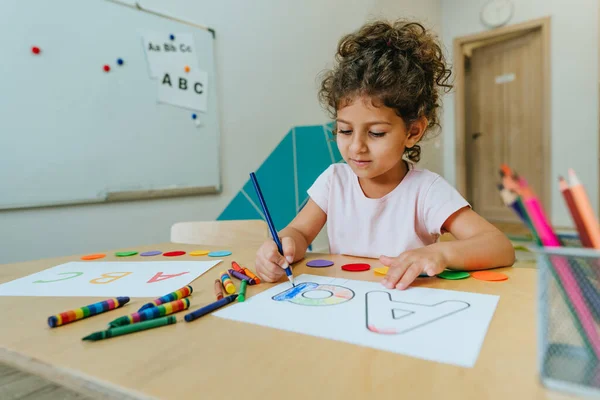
[(416, 131)]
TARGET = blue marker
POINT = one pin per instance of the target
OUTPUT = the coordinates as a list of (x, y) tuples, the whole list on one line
[(288, 270)]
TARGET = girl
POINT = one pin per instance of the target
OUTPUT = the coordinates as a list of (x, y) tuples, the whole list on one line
[(384, 93)]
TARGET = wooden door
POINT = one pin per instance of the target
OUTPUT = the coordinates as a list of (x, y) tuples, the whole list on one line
[(504, 120)]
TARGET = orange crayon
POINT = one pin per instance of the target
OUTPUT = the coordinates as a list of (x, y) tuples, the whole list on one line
[(251, 275)]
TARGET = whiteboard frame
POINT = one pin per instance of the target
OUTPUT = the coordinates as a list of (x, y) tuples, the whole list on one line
[(133, 195)]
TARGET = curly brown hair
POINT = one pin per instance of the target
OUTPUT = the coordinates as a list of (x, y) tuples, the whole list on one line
[(398, 64)]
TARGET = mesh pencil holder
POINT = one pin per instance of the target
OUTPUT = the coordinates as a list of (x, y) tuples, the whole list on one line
[(569, 319)]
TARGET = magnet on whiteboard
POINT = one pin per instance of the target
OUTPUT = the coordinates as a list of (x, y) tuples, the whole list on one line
[(186, 68), (172, 37), (194, 116), (35, 50), (106, 68), (120, 61)]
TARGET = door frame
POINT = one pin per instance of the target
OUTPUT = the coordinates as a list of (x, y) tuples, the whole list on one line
[(541, 24)]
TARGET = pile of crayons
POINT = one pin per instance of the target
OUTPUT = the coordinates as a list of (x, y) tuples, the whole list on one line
[(518, 195), (159, 311)]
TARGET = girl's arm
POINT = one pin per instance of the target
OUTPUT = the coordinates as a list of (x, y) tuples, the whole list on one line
[(479, 245), (304, 228)]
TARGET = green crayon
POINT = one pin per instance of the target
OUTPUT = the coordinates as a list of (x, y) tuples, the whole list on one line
[(242, 293), (124, 330)]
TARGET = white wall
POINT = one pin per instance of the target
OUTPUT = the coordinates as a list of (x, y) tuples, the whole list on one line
[(268, 56), (574, 86)]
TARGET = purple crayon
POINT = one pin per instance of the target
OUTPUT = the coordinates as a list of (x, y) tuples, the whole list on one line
[(242, 277)]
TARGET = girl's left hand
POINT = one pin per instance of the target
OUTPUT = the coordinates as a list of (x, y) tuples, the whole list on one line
[(405, 268)]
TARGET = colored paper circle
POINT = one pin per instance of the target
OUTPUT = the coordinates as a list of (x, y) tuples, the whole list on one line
[(199, 252), (319, 263), (186, 68), (356, 267), (221, 253), (174, 253), (125, 253), (453, 275), (93, 256), (490, 276), (384, 271), (151, 253)]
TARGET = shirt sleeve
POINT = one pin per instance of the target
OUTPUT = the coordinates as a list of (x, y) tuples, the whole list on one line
[(441, 201), (319, 191)]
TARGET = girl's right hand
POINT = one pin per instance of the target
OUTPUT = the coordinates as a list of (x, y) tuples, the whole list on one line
[(269, 263)]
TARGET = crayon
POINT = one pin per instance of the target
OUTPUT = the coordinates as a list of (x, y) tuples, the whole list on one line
[(251, 275), (236, 267), (242, 294), (218, 289), (176, 295), (87, 311), (241, 277), (227, 283), (124, 330), (151, 313), (211, 307)]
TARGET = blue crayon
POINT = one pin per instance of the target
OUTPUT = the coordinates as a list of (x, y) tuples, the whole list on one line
[(209, 308)]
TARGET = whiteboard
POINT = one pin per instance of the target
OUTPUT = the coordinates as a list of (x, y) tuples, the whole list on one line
[(72, 133)]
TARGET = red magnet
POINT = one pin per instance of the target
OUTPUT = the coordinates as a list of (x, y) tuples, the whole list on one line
[(35, 50), (174, 253), (106, 68), (356, 267)]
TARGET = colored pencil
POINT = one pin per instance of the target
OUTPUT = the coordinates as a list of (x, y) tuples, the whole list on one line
[(537, 216), (585, 209), (263, 204), (575, 215)]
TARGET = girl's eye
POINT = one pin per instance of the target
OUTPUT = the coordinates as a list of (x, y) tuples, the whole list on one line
[(377, 134), (343, 132)]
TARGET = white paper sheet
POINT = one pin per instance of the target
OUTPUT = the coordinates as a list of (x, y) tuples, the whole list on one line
[(438, 325), (109, 279), (187, 90), (163, 54)]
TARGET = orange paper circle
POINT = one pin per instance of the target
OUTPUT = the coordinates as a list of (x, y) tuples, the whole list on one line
[(489, 276), (93, 256)]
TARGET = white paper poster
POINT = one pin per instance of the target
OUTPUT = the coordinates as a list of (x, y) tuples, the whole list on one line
[(109, 279), (438, 325), (164, 54), (187, 90)]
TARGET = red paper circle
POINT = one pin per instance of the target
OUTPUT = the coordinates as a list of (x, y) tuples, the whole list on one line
[(174, 253), (356, 267)]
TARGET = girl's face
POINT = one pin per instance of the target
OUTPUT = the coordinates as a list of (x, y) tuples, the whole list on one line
[(372, 139)]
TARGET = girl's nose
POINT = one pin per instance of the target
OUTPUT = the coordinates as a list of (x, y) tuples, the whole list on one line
[(358, 144)]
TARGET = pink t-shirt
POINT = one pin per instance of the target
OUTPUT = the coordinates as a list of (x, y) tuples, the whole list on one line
[(409, 217)]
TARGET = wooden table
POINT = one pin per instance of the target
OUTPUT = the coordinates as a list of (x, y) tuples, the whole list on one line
[(214, 358)]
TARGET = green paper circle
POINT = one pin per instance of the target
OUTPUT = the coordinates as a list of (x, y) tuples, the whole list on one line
[(125, 253), (454, 275)]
